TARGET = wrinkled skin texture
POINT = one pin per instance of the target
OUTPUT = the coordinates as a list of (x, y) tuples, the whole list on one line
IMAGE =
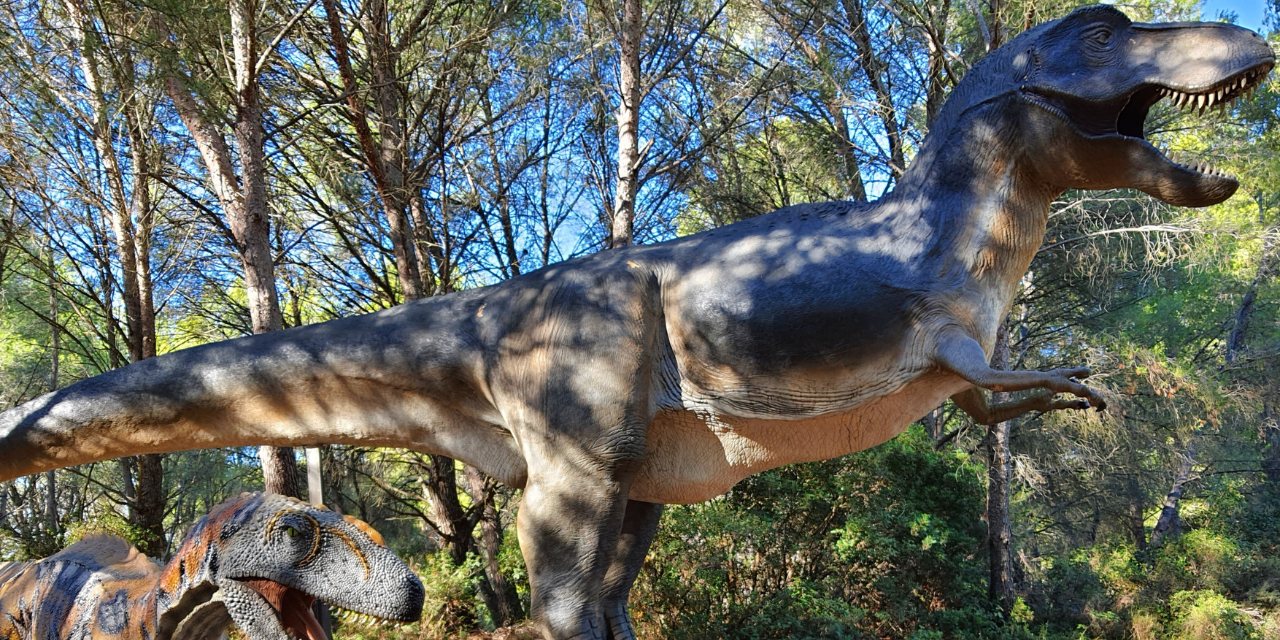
[(257, 561), (609, 385)]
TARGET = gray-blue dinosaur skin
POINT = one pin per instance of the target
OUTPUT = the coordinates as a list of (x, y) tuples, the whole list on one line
[(609, 385)]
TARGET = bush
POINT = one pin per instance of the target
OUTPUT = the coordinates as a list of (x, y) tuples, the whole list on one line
[(884, 543), (1207, 615)]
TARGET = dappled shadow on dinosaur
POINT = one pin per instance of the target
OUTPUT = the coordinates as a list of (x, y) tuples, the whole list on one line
[(608, 385)]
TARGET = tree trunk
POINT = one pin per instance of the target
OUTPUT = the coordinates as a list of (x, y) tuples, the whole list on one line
[(992, 36), (149, 510), (51, 503), (835, 110), (936, 40), (145, 496), (1236, 344), (383, 61), (243, 197), (875, 69), (1244, 313), (997, 26), (506, 606), (51, 495), (1000, 584), (848, 154), (1168, 524), (1136, 517), (384, 158), (450, 518), (1271, 444), (622, 232)]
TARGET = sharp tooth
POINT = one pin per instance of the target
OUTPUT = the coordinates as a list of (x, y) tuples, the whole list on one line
[(1200, 100)]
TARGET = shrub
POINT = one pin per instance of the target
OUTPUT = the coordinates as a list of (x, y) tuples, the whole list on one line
[(1208, 615)]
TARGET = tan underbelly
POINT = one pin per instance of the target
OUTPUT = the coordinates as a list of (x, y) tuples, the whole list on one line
[(695, 456)]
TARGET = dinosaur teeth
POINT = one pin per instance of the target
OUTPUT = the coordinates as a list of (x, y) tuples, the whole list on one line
[(366, 619)]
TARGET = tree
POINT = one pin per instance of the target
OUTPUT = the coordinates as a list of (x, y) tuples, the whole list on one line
[(242, 194)]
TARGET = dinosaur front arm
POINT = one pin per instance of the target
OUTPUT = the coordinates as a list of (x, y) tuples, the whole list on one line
[(963, 356), (979, 407)]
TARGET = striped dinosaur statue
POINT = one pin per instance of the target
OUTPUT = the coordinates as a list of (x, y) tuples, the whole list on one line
[(258, 561)]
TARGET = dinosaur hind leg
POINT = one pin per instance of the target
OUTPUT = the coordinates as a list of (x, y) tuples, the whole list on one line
[(639, 524), (568, 527), (575, 382)]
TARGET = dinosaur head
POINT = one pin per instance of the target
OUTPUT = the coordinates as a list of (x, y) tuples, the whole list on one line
[(1084, 84), (271, 557)]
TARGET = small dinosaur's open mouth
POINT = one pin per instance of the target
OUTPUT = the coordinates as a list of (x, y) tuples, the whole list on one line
[(1125, 117), (293, 609)]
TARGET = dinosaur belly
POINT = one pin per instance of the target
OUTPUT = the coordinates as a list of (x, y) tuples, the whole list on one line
[(696, 456)]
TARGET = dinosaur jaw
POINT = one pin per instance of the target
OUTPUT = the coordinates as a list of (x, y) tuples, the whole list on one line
[(1111, 149), (293, 609)]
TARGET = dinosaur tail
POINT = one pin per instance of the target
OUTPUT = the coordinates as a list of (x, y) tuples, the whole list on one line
[(384, 379)]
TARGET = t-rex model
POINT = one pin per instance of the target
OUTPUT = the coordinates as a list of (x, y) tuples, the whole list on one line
[(258, 560), (608, 385)]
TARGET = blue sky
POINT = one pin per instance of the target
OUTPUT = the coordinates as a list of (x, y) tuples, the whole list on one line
[(1250, 11)]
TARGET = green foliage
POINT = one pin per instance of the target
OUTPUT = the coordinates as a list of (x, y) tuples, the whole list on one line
[(1207, 615), (882, 543)]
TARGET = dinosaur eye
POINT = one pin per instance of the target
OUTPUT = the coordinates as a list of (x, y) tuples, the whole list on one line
[(291, 532), (1100, 36)]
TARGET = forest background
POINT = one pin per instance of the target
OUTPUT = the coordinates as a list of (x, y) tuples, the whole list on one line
[(175, 173)]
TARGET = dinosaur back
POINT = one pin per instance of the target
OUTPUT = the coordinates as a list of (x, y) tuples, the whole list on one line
[(38, 599)]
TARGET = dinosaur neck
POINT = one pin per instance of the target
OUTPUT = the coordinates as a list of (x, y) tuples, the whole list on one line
[(987, 208), (186, 587)]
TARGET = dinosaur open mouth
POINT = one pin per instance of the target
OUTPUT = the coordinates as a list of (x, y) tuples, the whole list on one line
[(1126, 115), (293, 609)]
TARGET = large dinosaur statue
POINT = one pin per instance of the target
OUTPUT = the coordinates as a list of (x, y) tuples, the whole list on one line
[(608, 385), (258, 561)]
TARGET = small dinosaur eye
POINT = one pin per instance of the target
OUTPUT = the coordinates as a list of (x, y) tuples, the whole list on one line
[(291, 532)]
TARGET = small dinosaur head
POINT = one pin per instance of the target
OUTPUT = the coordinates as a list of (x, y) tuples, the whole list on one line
[(1084, 84), (271, 557)]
